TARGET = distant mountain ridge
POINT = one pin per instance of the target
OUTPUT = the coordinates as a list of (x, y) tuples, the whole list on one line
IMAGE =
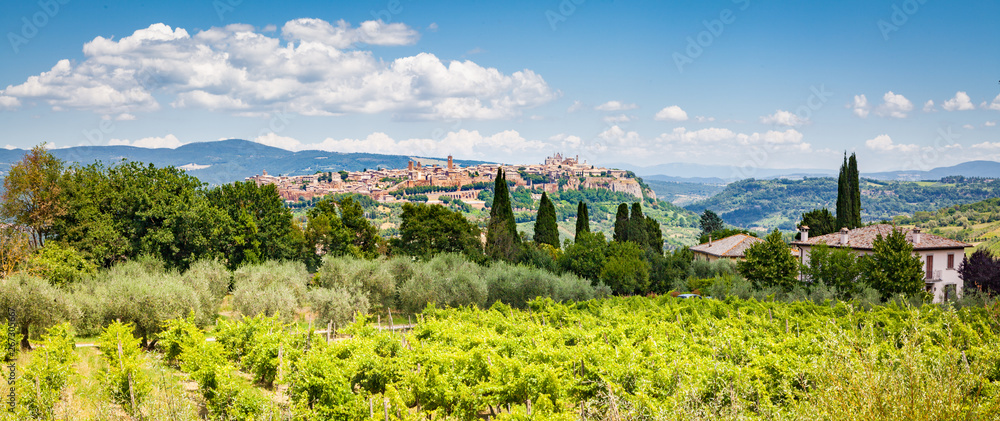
[(721, 174), (225, 161)]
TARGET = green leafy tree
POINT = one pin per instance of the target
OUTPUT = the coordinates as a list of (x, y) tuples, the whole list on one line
[(427, 230), (260, 226), (585, 257), (582, 219), (621, 224), (32, 194), (546, 229), (131, 209), (36, 303), (770, 263), (654, 235), (502, 239), (625, 268), (820, 222), (893, 267), (637, 226), (837, 267), (363, 233), (710, 222)]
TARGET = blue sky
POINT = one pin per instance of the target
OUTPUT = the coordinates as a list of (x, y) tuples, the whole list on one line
[(749, 84)]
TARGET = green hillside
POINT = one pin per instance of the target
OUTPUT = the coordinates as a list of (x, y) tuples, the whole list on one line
[(779, 203), (977, 223)]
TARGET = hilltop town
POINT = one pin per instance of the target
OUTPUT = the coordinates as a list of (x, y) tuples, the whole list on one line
[(462, 183)]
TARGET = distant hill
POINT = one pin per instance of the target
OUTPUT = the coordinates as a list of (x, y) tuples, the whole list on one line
[(225, 161), (682, 193), (721, 174), (985, 169), (977, 223), (779, 203)]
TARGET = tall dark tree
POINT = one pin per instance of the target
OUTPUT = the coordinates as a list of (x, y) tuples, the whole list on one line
[(502, 240), (654, 235), (843, 197), (819, 221), (621, 224), (637, 226), (848, 194), (710, 222), (546, 229), (582, 219), (853, 177), (981, 271)]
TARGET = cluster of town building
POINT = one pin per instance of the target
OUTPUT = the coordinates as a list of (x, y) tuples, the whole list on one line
[(379, 184)]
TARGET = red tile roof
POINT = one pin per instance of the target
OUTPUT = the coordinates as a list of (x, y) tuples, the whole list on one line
[(732, 246), (863, 238)]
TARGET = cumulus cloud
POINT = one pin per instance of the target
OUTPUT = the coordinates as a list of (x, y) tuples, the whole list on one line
[(169, 141), (960, 102), (995, 105), (784, 118), (883, 143), (577, 106), (987, 145), (990, 123), (311, 68), (860, 106), (894, 105), (672, 113), (929, 106), (703, 119), (615, 106)]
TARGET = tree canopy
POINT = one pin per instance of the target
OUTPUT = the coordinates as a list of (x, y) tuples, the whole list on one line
[(893, 267), (31, 195), (770, 263), (710, 222), (427, 230)]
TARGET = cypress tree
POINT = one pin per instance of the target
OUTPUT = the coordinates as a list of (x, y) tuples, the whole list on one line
[(637, 226), (843, 197), (654, 234), (502, 241), (582, 219), (546, 229), (621, 224), (855, 190)]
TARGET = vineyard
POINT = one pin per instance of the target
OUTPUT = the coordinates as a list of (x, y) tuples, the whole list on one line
[(617, 359)]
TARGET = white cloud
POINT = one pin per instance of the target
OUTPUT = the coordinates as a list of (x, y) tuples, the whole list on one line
[(789, 140), (342, 36), (315, 69), (703, 119), (894, 105), (995, 105), (283, 142), (567, 142), (987, 145), (124, 117), (961, 102), (620, 137), (620, 118), (784, 118), (929, 106), (861, 107), (884, 143), (672, 113), (577, 106), (433, 27), (169, 141), (10, 147), (8, 103), (990, 123), (968, 126), (615, 106)]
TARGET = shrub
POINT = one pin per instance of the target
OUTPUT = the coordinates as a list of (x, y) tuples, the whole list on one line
[(516, 285), (371, 278), (60, 265), (448, 280), (210, 280), (122, 376), (37, 304), (46, 373), (270, 289), (337, 304)]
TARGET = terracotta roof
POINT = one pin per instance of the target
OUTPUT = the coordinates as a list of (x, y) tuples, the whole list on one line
[(864, 238), (732, 246)]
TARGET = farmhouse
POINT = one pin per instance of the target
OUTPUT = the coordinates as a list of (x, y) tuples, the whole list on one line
[(731, 247), (938, 254)]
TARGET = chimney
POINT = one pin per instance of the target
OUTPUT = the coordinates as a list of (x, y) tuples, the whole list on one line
[(916, 236), (804, 230), (843, 236), (710, 241)]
